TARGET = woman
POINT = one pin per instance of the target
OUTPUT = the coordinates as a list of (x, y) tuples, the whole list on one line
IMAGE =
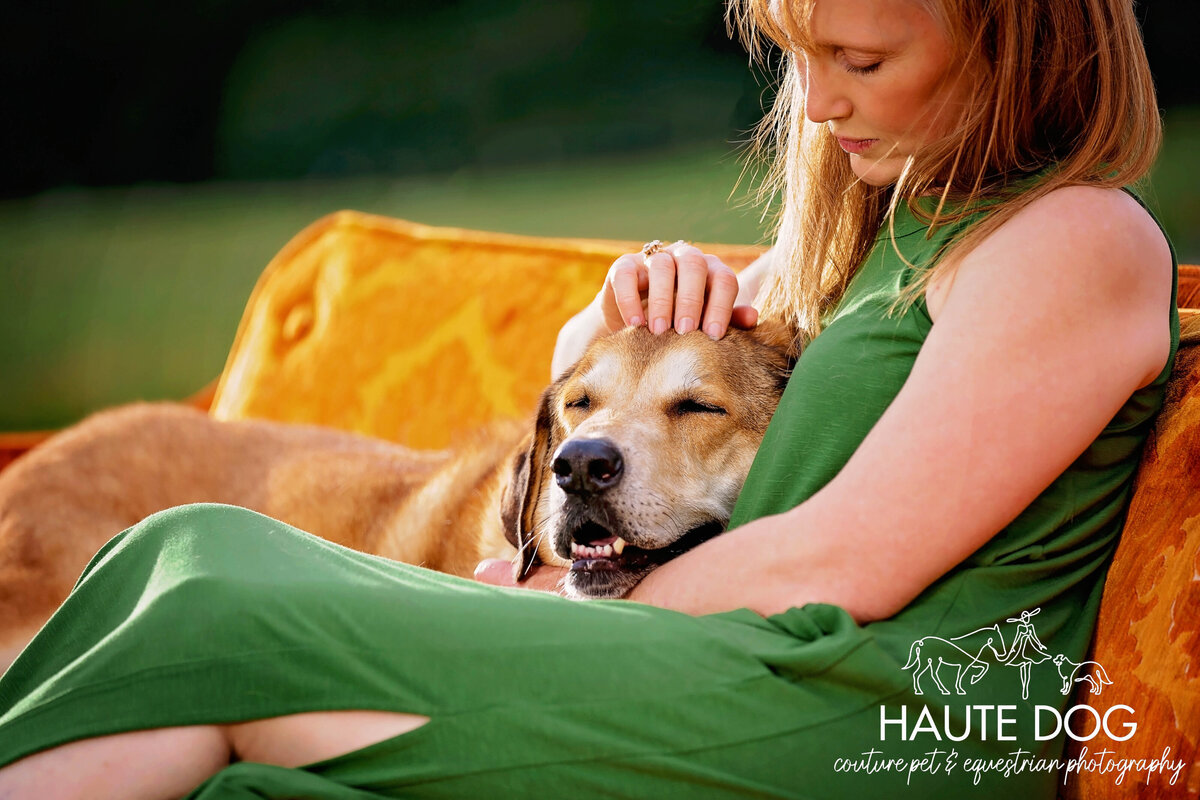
[(1026, 650), (955, 447)]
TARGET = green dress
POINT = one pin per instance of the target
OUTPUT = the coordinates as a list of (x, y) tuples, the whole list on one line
[(215, 614)]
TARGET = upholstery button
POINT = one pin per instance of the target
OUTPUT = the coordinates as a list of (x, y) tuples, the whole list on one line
[(298, 323)]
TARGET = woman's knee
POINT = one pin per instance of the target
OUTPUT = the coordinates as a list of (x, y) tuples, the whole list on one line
[(212, 521), (196, 526), (200, 540)]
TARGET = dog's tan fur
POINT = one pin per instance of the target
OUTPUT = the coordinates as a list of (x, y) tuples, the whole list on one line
[(446, 510)]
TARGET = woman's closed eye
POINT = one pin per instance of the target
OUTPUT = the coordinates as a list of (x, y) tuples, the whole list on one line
[(853, 70), (860, 67)]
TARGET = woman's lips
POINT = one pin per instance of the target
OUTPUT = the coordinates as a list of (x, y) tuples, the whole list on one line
[(856, 146)]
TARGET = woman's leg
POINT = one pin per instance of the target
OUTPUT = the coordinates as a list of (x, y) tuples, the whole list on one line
[(170, 762), (307, 738), (141, 765)]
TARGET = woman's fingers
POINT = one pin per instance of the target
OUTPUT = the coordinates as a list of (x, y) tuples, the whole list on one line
[(499, 572), (678, 287), (495, 571), (722, 291), (691, 283), (544, 578), (661, 302), (744, 317), (622, 293)]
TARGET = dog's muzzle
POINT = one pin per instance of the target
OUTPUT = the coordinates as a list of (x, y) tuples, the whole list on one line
[(603, 563)]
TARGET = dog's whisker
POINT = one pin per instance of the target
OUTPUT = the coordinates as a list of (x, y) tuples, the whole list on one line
[(535, 539)]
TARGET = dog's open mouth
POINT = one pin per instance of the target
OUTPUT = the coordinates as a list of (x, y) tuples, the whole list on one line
[(605, 552)]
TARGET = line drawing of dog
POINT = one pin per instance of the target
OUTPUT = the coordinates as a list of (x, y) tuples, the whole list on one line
[(637, 453), (1093, 673), (951, 653)]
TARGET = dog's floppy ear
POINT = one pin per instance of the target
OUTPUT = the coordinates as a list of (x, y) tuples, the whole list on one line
[(529, 473), (777, 335)]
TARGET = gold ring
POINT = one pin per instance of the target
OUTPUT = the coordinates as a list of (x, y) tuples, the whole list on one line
[(657, 246), (650, 248)]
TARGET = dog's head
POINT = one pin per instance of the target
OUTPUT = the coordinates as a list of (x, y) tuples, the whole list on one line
[(639, 452)]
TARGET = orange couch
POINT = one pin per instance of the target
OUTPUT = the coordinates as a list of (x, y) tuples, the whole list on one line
[(418, 334)]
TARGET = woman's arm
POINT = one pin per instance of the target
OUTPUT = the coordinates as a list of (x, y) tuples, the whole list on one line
[(1047, 328), (682, 288), (750, 280)]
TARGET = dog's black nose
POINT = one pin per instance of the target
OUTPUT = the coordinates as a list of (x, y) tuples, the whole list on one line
[(587, 466)]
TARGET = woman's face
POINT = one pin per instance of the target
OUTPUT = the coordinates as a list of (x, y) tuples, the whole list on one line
[(879, 75)]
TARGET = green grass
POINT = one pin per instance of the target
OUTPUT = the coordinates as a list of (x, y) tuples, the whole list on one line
[(112, 295)]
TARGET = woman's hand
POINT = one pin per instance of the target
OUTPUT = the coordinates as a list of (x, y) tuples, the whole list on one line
[(499, 572), (679, 286)]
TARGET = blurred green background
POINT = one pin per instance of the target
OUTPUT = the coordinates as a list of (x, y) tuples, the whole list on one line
[(154, 157)]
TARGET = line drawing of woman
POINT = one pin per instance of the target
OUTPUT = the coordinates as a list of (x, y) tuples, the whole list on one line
[(1027, 649)]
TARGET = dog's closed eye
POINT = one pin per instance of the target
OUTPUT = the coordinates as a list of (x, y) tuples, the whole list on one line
[(690, 406), (583, 402)]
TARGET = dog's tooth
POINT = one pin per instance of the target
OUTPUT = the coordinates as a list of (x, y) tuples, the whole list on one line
[(606, 551), (618, 546)]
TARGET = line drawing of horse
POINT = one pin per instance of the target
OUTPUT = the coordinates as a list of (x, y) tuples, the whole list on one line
[(951, 653), (1093, 671)]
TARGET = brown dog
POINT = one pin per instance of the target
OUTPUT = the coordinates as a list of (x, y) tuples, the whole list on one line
[(637, 454)]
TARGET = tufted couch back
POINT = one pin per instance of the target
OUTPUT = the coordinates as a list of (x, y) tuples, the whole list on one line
[(408, 332)]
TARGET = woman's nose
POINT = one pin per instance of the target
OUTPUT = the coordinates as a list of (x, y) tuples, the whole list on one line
[(823, 98)]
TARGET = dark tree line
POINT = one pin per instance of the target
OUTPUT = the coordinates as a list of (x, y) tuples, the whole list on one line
[(120, 92)]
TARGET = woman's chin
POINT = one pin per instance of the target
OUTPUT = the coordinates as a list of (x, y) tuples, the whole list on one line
[(876, 171)]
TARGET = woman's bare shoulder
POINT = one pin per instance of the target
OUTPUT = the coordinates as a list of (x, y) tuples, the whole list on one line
[(1073, 236), (1103, 233), (1095, 219), (1085, 254)]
